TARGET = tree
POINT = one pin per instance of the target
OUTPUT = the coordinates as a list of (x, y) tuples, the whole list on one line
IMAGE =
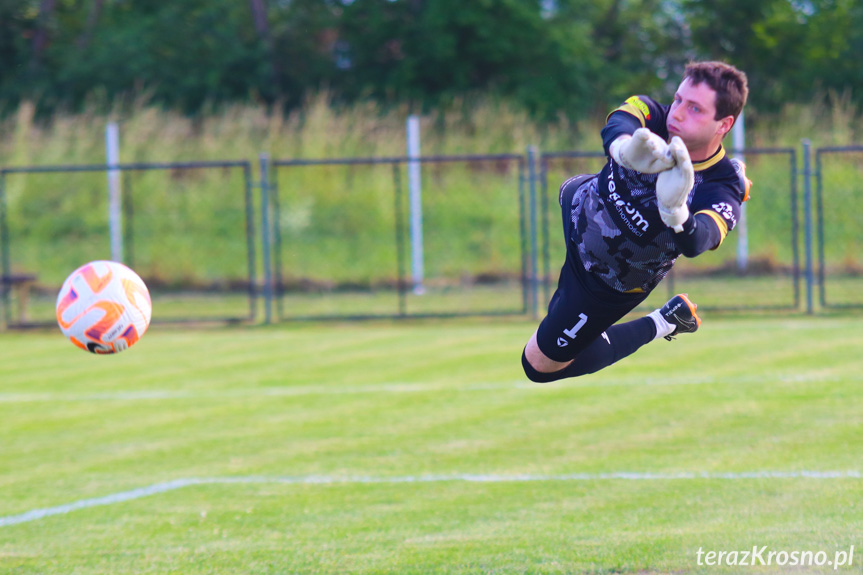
[(432, 51), (262, 27), (833, 45), (92, 21), (40, 37), (551, 56), (186, 53), (764, 38)]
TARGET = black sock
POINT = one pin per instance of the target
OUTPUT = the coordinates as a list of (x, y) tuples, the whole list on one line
[(623, 340)]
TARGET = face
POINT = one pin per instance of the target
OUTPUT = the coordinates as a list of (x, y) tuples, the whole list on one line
[(692, 118)]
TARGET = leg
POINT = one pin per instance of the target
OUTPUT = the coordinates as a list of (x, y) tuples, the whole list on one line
[(615, 343), (577, 327), (677, 316)]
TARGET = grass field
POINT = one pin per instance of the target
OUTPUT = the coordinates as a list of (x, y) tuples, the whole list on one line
[(419, 447)]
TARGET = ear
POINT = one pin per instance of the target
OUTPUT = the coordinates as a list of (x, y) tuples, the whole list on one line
[(725, 125)]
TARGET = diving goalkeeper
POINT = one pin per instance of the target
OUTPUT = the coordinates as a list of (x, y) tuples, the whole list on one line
[(668, 189)]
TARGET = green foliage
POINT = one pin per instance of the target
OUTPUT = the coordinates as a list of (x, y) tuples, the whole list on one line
[(790, 50), (551, 57), (184, 53)]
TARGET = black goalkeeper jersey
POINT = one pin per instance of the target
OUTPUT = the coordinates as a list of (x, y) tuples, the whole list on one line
[(617, 231)]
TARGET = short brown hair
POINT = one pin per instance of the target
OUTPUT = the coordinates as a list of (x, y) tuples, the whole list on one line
[(729, 83)]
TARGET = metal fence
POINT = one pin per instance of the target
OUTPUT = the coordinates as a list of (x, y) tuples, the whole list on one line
[(55, 218), (839, 209), (345, 232), (353, 238)]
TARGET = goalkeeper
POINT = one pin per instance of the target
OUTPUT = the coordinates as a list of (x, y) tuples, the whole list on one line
[(668, 189)]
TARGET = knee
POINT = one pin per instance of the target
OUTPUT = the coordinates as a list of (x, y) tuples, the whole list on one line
[(538, 376)]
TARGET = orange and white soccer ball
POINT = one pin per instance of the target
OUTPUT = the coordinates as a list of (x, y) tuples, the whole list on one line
[(104, 307)]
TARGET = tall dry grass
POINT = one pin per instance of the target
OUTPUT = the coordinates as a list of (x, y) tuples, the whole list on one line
[(319, 129), (150, 133)]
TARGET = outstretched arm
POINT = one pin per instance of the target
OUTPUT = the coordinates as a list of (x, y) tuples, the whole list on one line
[(700, 233), (714, 218)]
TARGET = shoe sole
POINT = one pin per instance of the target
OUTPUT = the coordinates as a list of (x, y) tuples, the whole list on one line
[(692, 307)]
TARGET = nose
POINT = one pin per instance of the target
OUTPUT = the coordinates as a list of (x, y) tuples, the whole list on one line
[(678, 113)]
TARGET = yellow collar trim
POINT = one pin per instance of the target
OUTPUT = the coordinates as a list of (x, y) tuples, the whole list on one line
[(711, 161)]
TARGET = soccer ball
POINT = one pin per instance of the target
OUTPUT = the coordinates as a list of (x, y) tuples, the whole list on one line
[(104, 307)]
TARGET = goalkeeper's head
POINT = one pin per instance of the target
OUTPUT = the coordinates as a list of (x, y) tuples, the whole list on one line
[(729, 83), (706, 105)]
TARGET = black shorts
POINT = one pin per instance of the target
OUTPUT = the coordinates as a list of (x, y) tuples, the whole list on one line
[(582, 307)]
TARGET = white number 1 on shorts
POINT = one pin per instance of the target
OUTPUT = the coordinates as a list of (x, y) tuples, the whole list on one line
[(571, 333)]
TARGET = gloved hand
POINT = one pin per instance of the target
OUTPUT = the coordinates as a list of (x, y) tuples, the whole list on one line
[(745, 183), (643, 152), (673, 186)]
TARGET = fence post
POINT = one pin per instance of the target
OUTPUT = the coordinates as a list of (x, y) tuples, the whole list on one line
[(266, 237), (534, 249), (807, 218), (416, 204)]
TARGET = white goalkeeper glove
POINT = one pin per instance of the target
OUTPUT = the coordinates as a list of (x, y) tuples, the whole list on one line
[(673, 186), (643, 152)]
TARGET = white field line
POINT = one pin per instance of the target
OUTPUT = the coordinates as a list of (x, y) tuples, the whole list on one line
[(158, 394), (300, 390), (157, 488)]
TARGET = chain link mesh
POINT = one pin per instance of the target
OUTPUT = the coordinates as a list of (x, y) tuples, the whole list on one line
[(186, 227), (344, 245), (839, 197)]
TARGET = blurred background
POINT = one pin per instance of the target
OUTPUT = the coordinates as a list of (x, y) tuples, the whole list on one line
[(550, 57), (201, 90)]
